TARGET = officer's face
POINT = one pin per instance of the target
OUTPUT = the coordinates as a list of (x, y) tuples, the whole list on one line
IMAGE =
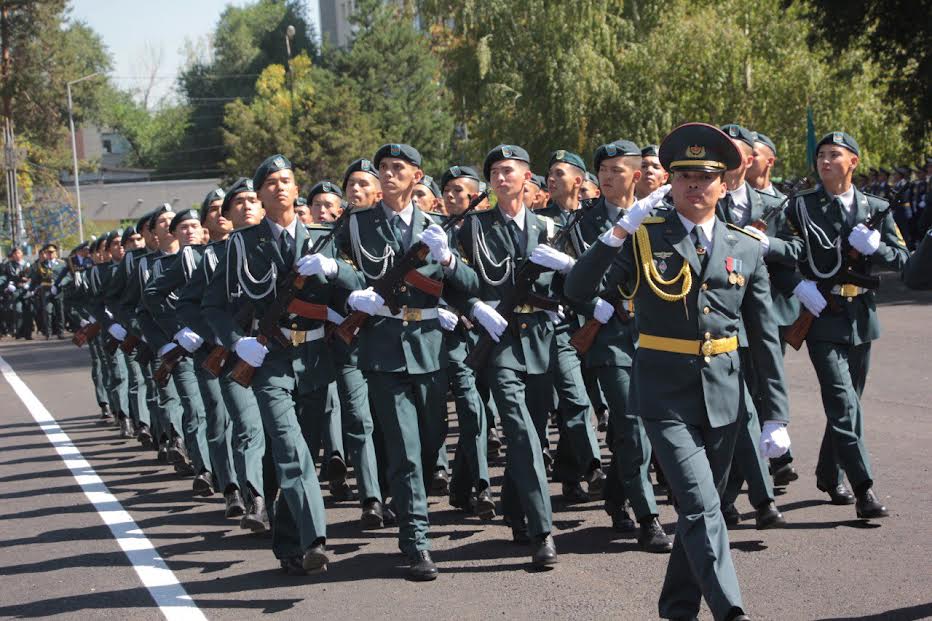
[(325, 208), (135, 241), (245, 210), (363, 190), (457, 194), (278, 192), (214, 221), (617, 176), (424, 198), (563, 179), (116, 250), (835, 164), (189, 233), (508, 178), (304, 214), (653, 176), (695, 193), (398, 176), (589, 190)]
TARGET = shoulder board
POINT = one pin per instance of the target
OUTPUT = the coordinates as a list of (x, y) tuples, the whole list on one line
[(808, 192), (735, 227), (319, 226), (879, 199), (654, 220), (359, 210)]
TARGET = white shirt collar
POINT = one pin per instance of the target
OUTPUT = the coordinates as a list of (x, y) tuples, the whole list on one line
[(847, 198), (707, 227), (770, 190), (519, 218), (407, 214), (614, 211), (740, 196), (278, 228)]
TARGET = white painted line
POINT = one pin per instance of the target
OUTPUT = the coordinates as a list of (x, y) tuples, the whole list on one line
[(171, 598)]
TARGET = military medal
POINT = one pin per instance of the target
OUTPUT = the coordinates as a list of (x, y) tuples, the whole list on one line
[(732, 265)]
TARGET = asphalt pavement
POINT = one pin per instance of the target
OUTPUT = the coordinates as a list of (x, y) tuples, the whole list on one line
[(59, 559)]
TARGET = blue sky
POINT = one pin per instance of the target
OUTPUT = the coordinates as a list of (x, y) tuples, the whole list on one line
[(132, 29)]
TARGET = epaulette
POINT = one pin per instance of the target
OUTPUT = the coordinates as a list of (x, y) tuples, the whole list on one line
[(879, 198), (735, 227), (653, 220), (807, 192), (359, 210), (319, 226)]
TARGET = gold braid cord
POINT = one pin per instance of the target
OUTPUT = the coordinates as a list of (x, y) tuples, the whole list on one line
[(653, 277)]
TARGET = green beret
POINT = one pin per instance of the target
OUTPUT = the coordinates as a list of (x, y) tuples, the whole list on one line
[(737, 132), (457, 172), (213, 195), (765, 140), (79, 247), (698, 146), (127, 233), (143, 222), (243, 184), (428, 182), (360, 165), (566, 157), (99, 242), (540, 181), (183, 216), (399, 151), (112, 235), (504, 152), (324, 187), (619, 148), (270, 165), (593, 179), (650, 151), (842, 139), (300, 202), (165, 208)]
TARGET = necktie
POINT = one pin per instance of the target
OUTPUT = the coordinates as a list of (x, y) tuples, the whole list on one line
[(287, 247), (398, 230), (847, 215), (516, 240), (701, 244)]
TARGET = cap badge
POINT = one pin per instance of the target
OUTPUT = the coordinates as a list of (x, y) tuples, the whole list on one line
[(559, 155), (695, 151), (611, 150), (506, 151), (395, 150), (733, 132), (455, 171), (278, 162), (838, 138)]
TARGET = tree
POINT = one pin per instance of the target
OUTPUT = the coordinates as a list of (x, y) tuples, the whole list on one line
[(154, 135), (311, 116)]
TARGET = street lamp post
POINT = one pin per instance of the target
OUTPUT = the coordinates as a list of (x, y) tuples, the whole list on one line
[(74, 153)]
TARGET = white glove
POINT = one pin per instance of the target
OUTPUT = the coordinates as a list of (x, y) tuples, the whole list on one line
[(435, 238), (774, 440), (552, 258), (603, 311), (53, 290), (447, 319), (810, 296), (489, 319), (108, 314), (167, 347), (641, 209), (117, 331), (251, 351), (334, 317), (92, 319), (10, 288), (366, 301), (84, 323), (556, 316), (317, 264), (864, 240), (764, 240), (189, 339)]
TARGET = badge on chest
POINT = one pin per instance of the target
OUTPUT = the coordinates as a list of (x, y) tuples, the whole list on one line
[(660, 260), (733, 267)]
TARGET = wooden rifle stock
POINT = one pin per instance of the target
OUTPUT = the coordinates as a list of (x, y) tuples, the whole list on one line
[(129, 343), (85, 334), (796, 333), (169, 361), (112, 345), (213, 364), (243, 372), (584, 337)]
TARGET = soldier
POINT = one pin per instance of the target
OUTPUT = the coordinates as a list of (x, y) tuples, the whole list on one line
[(758, 173), (83, 298), (536, 195), (653, 175), (303, 211), (611, 356), (288, 381), (741, 206), (326, 202), (922, 198), (496, 241), (427, 195), (578, 454), (839, 341), (590, 188), (901, 197), (111, 253), (690, 391), (16, 287), (917, 273), (48, 305)]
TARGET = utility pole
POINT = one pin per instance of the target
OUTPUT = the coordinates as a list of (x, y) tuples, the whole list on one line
[(74, 154), (10, 153)]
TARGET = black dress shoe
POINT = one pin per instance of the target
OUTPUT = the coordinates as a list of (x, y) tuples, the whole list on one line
[(622, 522), (519, 535), (388, 514), (768, 516), (341, 491), (601, 419), (126, 427), (652, 538), (784, 475), (731, 515), (203, 484), (493, 442), (421, 567), (573, 493), (162, 455), (105, 415), (869, 507), (185, 468), (336, 471), (596, 480), (144, 436), (176, 451), (484, 505), (440, 483), (315, 558), (293, 566), (256, 518), (372, 518), (545, 554), (839, 494), (234, 501)]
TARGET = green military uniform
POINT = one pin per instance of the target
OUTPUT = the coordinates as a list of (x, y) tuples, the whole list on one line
[(82, 298), (690, 386), (839, 341), (917, 273), (17, 305), (48, 305)]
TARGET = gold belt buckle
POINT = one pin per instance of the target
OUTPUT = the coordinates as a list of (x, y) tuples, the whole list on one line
[(707, 348), (412, 314), (524, 309), (848, 290), (298, 337)]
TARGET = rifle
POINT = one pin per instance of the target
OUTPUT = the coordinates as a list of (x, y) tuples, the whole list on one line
[(404, 271), (525, 276), (761, 223), (269, 330), (85, 334), (796, 333), (584, 337), (169, 361), (219, 356)]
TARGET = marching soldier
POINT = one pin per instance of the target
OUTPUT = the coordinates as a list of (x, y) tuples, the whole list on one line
[(690, 391), (590, 188), (325, 201), (83, 298), (758, 173), (653, 174), (917, 273), (822, 221), (427, 196)]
